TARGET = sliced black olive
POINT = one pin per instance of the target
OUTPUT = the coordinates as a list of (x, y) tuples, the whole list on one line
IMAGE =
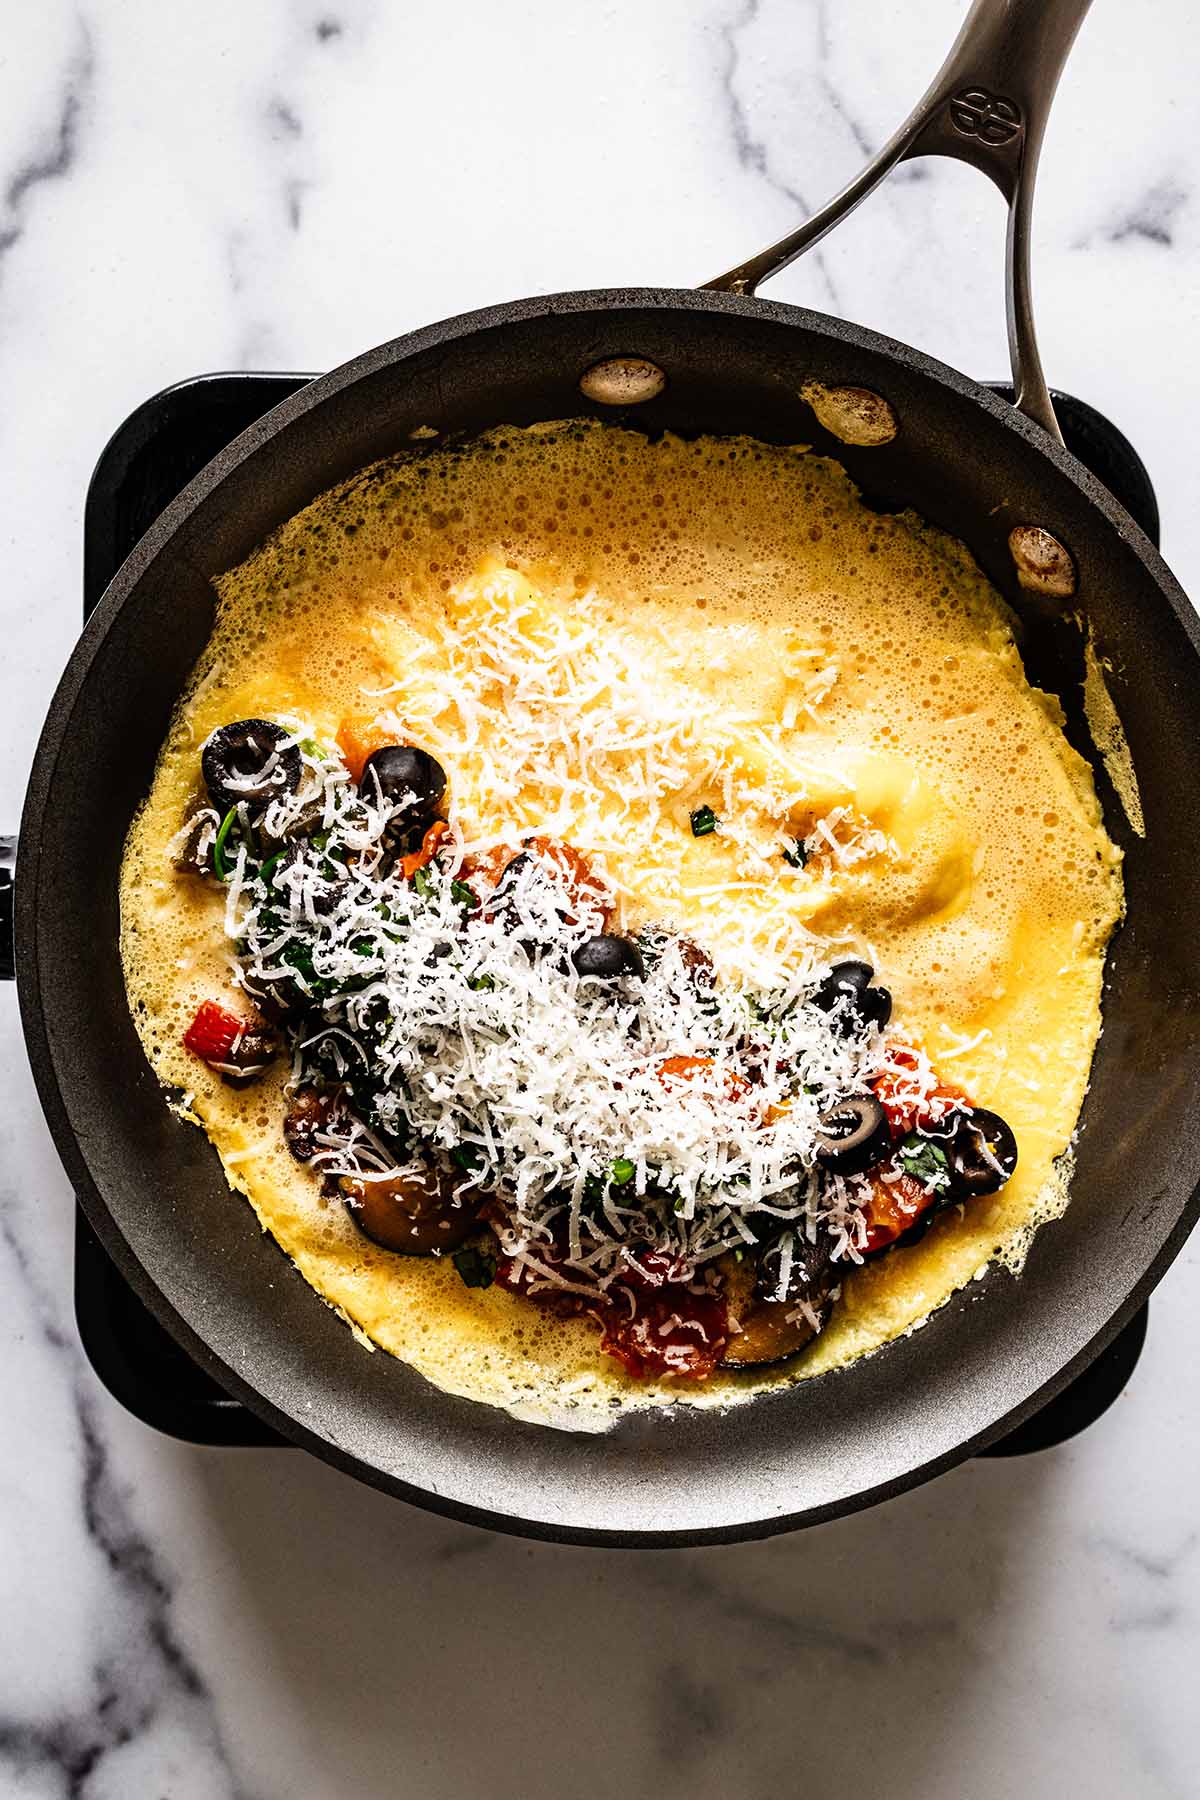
[(844, 978), (416, 1213), (405, 776), (847, 987), (244, 762), (606, 955), (874, 1006), (982, 1153), (853, 1135)]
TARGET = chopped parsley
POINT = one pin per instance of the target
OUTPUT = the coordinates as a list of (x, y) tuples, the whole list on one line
[(622, 1171), (704, 821), (464, 895), (924, 1160)]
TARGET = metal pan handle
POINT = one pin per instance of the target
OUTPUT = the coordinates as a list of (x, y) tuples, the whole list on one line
[(8, 869), (987, 106)]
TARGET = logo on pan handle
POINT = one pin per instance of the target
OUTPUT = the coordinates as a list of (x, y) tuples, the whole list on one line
[(992, 118)]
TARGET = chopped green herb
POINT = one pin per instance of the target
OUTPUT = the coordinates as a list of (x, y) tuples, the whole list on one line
[(476, 1267), (464, 895), (621, 1171), (467, 1156), (704, 821), (796, 854), (219, 844), (311, 747), (924, 1160), (268, 866), (482, 984), (424, 883)]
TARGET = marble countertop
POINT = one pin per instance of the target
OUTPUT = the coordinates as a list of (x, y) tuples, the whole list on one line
[(186, 188)]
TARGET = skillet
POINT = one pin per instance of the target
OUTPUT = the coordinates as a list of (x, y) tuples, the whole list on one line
[(152, 1187)]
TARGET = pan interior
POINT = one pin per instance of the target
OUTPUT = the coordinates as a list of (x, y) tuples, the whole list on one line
[(736, 605), (798, 1455)]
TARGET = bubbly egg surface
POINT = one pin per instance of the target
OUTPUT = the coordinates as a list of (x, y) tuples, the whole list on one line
[(597, 634)]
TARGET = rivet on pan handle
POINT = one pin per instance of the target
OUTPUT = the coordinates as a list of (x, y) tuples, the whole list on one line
[(987, 106), (8, 869)]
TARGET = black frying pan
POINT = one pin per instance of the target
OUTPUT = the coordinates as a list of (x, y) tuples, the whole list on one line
[(152, 1187)]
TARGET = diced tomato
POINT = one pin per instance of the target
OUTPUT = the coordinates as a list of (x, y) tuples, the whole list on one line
[(579, 879), (359, 736), (904, 1112), (673, 1069), (213, 1032), (651, 1268), (893, 1206), (431, 843), (483, 870), (672, 1332)]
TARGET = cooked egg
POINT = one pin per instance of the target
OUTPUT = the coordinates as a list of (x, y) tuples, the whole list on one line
[(598, 635)]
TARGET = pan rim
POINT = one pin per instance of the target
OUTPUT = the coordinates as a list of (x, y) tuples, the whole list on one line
[(160, 537)]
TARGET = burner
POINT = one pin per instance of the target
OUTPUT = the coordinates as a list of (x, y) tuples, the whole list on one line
[(145, 464)]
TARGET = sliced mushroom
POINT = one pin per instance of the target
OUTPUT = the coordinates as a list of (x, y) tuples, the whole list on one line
[(311, 1111), (417, 1212), (194, 856), (795, 1268), (770, 1329), (773, 1331), (249, 1058)]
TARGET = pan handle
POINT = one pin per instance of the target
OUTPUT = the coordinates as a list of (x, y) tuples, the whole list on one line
[(987, 106), (8, 869)]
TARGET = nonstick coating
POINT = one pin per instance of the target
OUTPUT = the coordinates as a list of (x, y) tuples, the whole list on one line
[(152, 1186)]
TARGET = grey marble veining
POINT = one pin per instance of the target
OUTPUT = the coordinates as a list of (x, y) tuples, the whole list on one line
[(278, 186)]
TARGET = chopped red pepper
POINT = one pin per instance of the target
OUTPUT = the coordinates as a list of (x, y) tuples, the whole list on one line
[(580, 881), (904, 1112), (431, 843), (651, 1268), (892, 1208), (673, 1069), (213, 1032), (359, 737)]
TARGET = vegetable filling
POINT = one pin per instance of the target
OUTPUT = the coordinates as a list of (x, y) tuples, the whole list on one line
[(483, 1068)]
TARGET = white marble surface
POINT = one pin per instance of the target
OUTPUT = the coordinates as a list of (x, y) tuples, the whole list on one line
[(278, 184)]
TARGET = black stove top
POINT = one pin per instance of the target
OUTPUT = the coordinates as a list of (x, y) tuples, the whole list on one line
[(148, 460)]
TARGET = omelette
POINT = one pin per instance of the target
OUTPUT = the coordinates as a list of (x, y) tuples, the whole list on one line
[(622, 916)]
